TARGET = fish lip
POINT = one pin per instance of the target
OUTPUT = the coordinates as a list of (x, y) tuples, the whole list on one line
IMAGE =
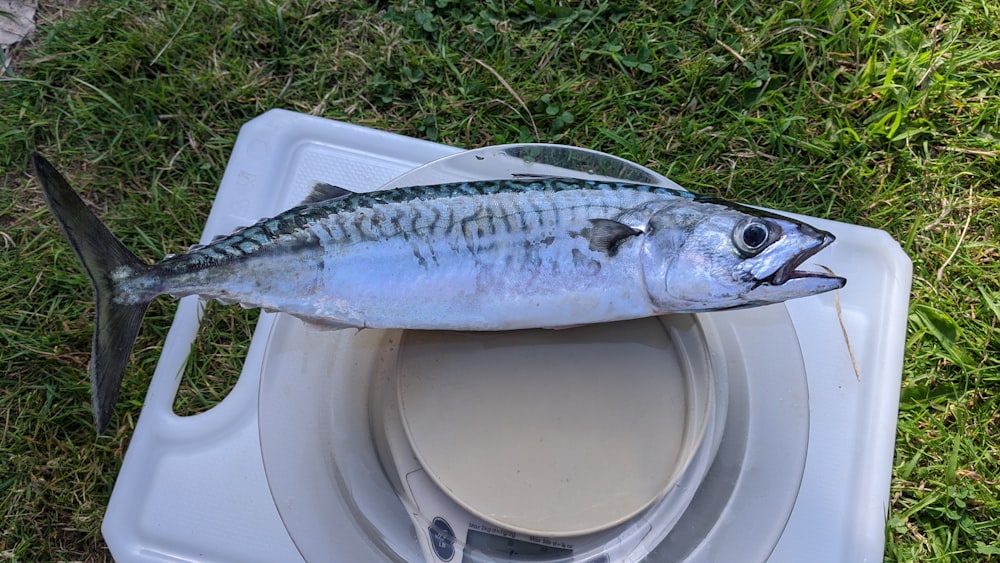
[(787, 270)]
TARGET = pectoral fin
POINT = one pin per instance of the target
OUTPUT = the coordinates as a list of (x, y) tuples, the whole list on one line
[(607, 234)]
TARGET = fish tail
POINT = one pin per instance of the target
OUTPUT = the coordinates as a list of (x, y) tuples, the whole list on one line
[(105, 259)]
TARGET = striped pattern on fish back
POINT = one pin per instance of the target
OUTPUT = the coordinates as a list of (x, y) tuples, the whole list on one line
[(299, 222)]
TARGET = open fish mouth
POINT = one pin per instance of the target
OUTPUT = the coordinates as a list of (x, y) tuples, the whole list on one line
[(788, 270)]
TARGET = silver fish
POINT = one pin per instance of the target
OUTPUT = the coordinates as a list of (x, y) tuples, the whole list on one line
[(488, 255)]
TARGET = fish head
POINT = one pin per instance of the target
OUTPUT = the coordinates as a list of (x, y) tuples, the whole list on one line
[(717, 255)]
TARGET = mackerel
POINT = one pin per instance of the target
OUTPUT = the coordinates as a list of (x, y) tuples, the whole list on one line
[(526, 252)]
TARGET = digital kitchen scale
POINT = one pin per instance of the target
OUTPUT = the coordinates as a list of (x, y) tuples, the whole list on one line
[(356, 446), (541, 445)]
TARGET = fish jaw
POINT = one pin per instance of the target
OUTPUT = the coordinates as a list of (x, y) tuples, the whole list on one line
[(800, 284), (787, 270), (787, 282)]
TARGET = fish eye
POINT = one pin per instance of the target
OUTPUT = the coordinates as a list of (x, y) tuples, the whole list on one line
[(751, 236)]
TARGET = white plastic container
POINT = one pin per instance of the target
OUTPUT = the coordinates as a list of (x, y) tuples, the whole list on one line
[(194, 488)]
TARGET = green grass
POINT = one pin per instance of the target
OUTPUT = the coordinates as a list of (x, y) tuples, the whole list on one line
[(877, 113)]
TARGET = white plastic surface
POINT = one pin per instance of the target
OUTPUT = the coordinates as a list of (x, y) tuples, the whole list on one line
[(193, 489)]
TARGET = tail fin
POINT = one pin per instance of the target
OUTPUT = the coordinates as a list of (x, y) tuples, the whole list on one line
[(103, 257)]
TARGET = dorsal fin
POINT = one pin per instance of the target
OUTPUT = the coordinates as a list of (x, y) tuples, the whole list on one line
[(607, 234), (325, 192), (532, 176)]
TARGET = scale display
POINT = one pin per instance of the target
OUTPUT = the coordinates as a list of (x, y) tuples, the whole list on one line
[(502, 548)]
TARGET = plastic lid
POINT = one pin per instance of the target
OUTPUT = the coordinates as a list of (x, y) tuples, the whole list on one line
[(555, 433)]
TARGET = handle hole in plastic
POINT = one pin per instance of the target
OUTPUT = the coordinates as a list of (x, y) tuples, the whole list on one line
[(215, 360)]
